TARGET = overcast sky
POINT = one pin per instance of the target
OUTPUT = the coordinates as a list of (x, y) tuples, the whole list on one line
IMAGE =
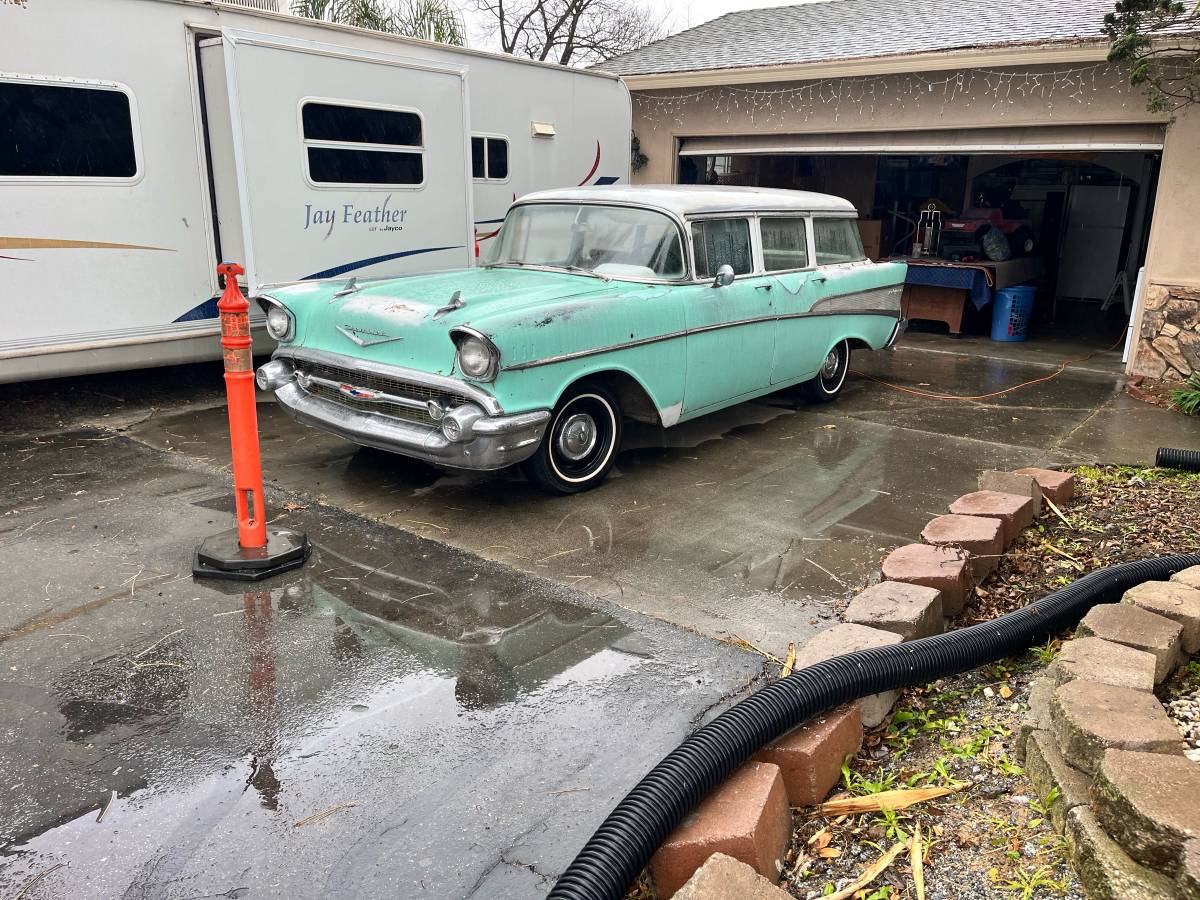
[(677, 15)]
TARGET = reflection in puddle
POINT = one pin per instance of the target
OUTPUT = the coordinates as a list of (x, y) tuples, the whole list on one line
[(251, 711)]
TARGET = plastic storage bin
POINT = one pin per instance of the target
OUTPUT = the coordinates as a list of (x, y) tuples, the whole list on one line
[(1012, 311)]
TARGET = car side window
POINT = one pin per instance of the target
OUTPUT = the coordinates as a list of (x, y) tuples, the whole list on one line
[(838, 241), (784, 243), (719, 242)]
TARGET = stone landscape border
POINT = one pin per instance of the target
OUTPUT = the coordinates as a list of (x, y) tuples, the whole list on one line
[(924, 587), (1099, 743)]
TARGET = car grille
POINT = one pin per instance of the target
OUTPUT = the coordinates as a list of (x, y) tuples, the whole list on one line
[(420, 392)]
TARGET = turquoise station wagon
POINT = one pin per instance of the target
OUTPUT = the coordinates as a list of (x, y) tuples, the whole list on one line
[(598, 304)]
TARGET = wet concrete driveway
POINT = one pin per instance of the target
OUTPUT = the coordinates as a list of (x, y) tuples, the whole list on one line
[(398, 719), (754, 522)]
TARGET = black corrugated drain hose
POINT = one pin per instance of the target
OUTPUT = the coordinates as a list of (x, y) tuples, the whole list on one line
[(624, 843), (1183, 460)]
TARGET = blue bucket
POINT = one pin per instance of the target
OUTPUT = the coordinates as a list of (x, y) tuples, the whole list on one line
[(1012, 311)]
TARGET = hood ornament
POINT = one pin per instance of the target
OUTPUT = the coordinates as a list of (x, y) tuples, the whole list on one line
[(456, 302), (372, 338), (348, 288)]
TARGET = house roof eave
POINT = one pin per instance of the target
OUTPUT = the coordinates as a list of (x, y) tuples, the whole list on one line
[(1023, 55)]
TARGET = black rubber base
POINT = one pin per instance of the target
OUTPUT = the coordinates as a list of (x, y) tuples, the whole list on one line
[(221, 556)]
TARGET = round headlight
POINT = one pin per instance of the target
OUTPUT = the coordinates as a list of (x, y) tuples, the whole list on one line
[(475, 358), (279, 323)]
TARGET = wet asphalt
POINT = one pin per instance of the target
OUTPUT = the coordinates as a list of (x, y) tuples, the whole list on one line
[(469, 674), (397, 719), (755, 522)]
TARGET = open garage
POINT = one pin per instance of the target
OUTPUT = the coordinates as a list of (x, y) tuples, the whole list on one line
[(1002, 156), (1066, 211)]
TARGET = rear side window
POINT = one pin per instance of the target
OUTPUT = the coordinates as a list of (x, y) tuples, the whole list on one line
[(837, 240), (65, 131), (784, 243), (719, 242), (363, 145), (489, 158)]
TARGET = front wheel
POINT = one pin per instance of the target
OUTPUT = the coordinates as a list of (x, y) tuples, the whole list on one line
[(831, 377), (580, 444)]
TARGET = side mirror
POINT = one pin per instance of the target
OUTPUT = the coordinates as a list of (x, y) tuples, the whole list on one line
[(724, 276)]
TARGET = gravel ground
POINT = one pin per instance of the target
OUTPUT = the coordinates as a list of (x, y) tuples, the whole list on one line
[(991, 837)]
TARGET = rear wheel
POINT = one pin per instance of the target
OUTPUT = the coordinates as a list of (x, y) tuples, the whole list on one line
[(831, 377), (580, 444)]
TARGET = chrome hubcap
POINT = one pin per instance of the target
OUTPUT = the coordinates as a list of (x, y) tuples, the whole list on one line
[(830, 366), (577, 437)]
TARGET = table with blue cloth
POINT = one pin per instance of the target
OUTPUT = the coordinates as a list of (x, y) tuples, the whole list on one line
[(938, 291)]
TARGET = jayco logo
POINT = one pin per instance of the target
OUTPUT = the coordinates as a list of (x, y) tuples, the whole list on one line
[(379, 218)]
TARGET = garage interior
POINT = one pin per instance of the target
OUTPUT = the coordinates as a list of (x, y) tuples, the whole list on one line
[(1074, 206)]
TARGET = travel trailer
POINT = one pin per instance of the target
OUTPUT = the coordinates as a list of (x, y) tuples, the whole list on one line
[(144, 141)]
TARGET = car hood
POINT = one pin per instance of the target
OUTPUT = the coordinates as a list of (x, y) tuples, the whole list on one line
[(400, 321)]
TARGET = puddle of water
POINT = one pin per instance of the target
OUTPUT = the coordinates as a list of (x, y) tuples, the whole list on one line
[(363, 663)]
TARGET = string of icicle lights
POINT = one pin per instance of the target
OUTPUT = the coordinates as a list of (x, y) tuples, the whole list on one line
[(862, 95)]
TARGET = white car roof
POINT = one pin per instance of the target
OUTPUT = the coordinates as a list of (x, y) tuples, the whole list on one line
[(696, 199)]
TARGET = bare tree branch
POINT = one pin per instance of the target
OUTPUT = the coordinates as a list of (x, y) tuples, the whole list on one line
[(571, 32)]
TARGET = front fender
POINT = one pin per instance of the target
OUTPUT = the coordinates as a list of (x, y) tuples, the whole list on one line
[(637, 332)]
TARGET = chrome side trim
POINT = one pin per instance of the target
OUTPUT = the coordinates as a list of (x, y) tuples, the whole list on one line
[(855, 303), (860, 301), (441, 382)]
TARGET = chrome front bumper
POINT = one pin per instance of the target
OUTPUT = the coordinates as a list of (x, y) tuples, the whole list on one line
[(497, 441)]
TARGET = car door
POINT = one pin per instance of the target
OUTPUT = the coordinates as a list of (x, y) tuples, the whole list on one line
[(801, 338), (730, 328)]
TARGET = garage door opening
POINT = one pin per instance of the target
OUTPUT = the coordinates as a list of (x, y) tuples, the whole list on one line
[(1067, 214)]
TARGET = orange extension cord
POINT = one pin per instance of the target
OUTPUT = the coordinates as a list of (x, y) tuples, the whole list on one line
[(930, 395)]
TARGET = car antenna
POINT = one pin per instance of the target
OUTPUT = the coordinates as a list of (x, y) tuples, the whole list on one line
[(456, 302)]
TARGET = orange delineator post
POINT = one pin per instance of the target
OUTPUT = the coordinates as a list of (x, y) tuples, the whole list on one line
[(243, 413)]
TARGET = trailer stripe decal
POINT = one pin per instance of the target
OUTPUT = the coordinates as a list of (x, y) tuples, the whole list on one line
[(592, 170), (208, 309), (374, 260), (28, 243)]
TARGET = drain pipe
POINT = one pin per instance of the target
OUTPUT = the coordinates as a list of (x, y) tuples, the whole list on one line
[(1181, 460), (624, 843)]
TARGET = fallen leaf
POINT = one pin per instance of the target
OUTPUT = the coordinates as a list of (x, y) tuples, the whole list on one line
[(1005, 691), (891, 800), (872, 872), (917, 862), (829, 853), (292, 506), (790, 662)]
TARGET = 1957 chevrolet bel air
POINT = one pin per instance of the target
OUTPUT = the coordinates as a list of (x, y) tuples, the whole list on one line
[(657, 304)]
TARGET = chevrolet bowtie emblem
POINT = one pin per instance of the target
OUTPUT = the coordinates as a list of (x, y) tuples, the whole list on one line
[(365, 337)]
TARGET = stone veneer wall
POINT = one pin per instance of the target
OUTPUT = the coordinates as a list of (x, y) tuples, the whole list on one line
[(1169, 342)]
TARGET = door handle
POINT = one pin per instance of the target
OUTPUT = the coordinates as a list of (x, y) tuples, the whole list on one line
[(762, 287), (820, 279)]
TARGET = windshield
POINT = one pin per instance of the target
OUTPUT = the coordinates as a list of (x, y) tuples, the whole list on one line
[(611, 241)]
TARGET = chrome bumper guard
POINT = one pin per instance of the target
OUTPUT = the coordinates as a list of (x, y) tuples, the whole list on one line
[(497, 441)]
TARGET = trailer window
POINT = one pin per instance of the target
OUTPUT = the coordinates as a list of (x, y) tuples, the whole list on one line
[(489, 157), (362, 145), (65, 131)]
